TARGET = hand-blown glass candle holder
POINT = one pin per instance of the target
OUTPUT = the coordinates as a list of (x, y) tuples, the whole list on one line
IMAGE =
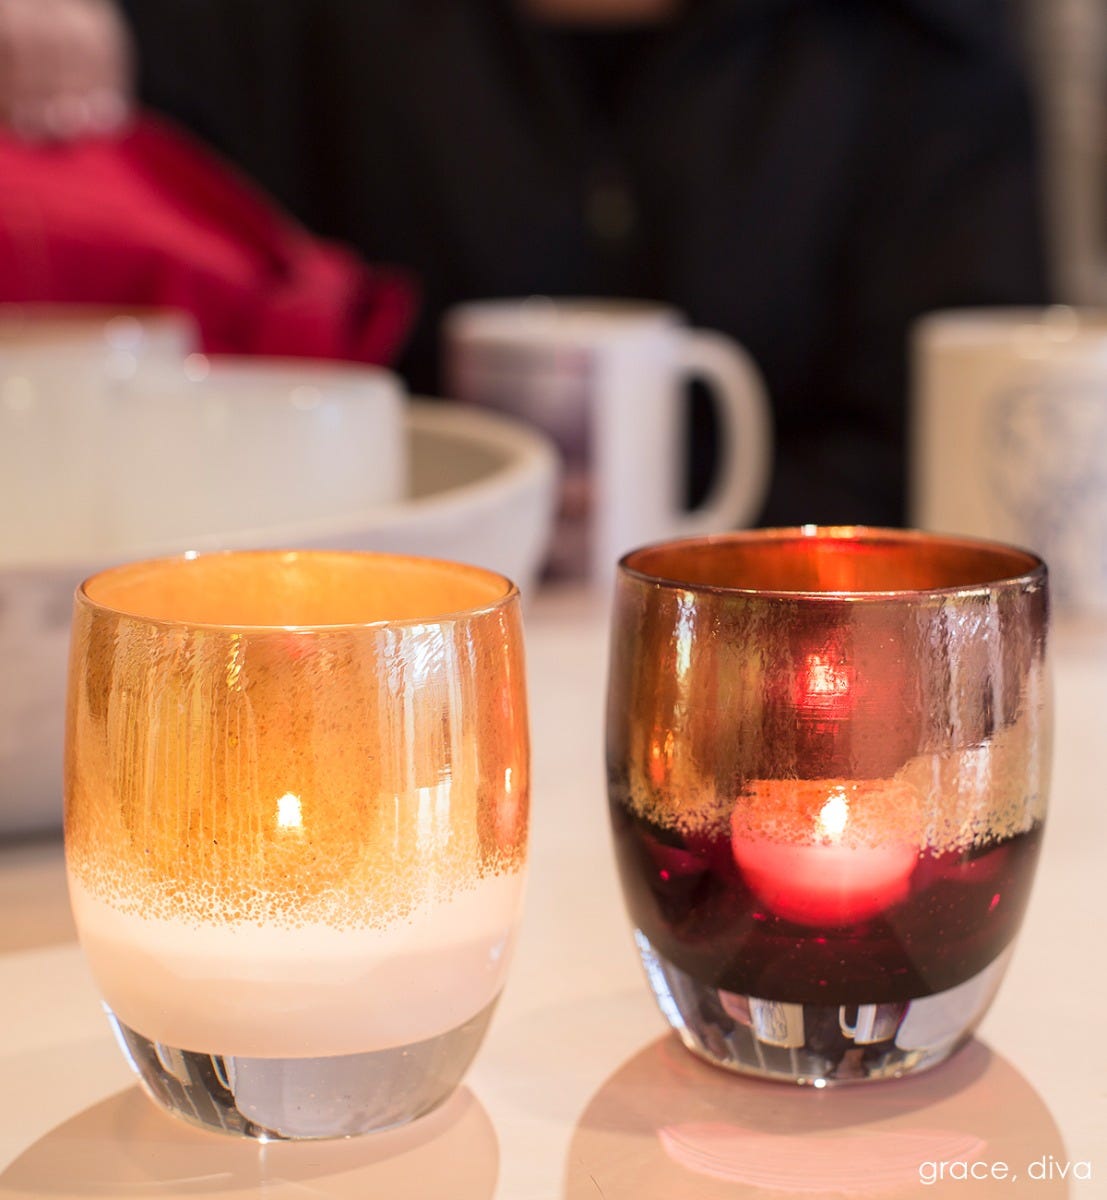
[(828, 756), (296, 821)]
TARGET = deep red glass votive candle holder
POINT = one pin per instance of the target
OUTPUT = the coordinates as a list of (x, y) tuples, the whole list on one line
[(828, 759)]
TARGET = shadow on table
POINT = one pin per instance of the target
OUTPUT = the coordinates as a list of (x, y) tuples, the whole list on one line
[(667, 1125), (124, 1147)]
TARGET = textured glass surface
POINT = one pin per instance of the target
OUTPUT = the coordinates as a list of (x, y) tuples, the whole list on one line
[(296, 798), (840, 657), (828, 755)]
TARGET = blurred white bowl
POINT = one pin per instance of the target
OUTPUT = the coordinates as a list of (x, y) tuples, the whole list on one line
[(482, 490), (95, 463)]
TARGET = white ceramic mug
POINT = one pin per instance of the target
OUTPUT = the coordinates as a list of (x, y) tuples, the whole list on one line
[(1009, 437), (606, 380)]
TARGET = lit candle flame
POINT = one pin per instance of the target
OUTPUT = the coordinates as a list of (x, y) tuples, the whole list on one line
[(834, 816), (289, 814), (826, 852)]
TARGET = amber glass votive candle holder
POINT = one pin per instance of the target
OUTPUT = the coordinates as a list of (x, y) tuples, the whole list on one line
[(296, 826), (828, 757)]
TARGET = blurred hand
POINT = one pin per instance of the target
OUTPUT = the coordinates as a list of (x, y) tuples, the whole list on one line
[(65, 67)]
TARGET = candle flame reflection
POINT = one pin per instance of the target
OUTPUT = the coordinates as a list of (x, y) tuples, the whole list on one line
[(825, 683)]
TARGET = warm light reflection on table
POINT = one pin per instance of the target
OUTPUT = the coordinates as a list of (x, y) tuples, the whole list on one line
[(666, 1125)]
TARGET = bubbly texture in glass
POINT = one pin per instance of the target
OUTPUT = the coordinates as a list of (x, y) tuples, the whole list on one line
[(297, 798), (860, 920)]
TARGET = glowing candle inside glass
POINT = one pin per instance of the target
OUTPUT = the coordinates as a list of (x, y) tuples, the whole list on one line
[(296, 828), (826, 851), (827, 755)]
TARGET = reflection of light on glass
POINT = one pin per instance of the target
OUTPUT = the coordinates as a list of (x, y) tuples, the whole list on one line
[(686, 607), (824, 677), (507, 810), (834, 815), (289, 814), (236, 658), (433, 819), (432, 653), (824, 683), (661, 756)]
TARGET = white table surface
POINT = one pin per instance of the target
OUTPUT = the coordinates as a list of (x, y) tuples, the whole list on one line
[(579, 1091)]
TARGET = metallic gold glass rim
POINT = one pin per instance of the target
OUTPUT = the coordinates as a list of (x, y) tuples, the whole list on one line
[(1022, 568), (507, 592)]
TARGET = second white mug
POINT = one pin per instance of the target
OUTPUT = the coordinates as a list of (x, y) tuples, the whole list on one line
[(1010, 437), (606, 378)]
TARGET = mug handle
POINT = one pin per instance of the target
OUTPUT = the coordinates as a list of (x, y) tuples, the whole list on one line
[(741, 400)]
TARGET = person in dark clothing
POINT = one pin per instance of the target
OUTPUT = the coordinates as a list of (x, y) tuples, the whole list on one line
[(806, 175)]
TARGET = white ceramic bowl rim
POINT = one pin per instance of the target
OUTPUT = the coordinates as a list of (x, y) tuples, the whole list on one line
[(525, 452)]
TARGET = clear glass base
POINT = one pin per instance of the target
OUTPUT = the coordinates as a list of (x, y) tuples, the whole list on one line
[(818, 1044), (297, 1098)]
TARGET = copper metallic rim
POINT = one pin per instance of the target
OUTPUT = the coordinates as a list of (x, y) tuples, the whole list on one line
[(509, 594), (1026, 568)]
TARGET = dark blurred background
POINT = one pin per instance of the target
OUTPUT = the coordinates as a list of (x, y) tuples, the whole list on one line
[(806, 175)]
